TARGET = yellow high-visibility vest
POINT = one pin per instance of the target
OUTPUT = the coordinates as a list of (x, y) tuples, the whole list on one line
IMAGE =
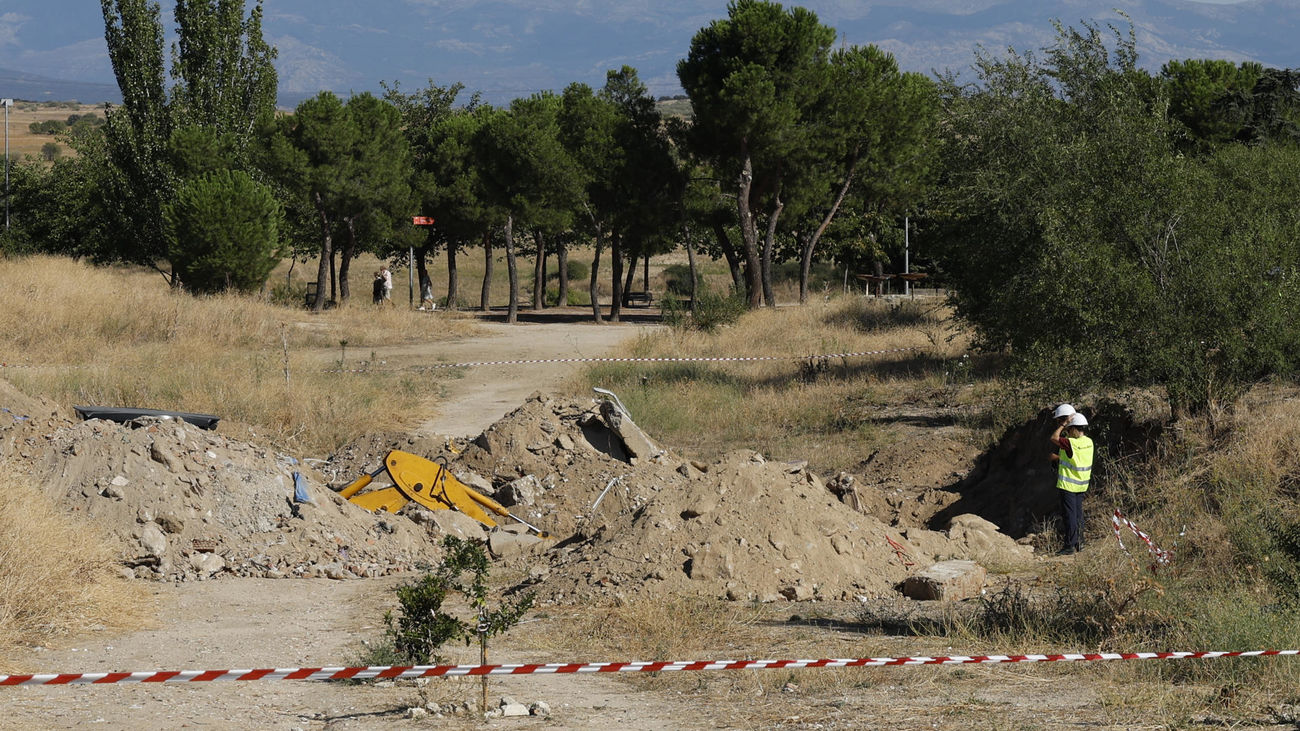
[(1073, 472)]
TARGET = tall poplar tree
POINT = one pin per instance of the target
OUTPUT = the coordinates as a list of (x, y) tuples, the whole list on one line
[(225, 83)]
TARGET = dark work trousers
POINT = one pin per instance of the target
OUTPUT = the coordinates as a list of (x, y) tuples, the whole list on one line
[(1072, 510)]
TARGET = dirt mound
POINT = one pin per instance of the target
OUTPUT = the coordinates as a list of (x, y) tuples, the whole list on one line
[(183, 503), (742, 527)]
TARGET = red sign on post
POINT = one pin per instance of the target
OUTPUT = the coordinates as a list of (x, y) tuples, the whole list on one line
[(422, 220)]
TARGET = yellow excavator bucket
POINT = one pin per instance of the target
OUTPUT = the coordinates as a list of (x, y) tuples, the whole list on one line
[(427, 483)]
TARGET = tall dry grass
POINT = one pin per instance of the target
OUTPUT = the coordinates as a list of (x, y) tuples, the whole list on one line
[(56, 574), (119, 336), (821, 410)]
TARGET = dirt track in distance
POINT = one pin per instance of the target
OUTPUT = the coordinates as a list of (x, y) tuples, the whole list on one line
[(486, 393)]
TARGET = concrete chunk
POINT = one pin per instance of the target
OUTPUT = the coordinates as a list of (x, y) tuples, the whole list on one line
[(952, 580)]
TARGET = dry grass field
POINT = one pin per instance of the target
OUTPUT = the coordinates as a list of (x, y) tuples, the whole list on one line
[(22, 143), (122, 337)]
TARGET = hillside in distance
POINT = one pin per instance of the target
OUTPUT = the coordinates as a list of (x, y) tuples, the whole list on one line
[(511, 48)]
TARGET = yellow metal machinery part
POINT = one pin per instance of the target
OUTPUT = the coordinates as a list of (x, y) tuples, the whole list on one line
[(427, 483)]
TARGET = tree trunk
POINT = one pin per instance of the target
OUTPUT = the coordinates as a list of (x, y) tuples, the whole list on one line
[(593, 288), (769, 242), (749, 236), (539, 272), (334, 277), (629, 279), (645, 281), (512, 266), (562, 265), (485, 300), (729, 252), (806, 250), (345, 259), (453, 277), (326, 253), (616, 264), (690, 260)]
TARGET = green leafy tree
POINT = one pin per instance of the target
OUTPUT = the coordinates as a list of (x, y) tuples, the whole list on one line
[(446, 175), (754, 81), (875, 136), (1080, 242), (1199, 90), (527, 174), (224, 231), (587, 124), (225, 83)]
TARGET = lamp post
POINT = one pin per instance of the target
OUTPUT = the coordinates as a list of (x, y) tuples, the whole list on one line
[(7, 103)]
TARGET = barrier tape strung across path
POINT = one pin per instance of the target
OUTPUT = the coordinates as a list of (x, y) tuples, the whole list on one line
[(472, 364), (448, 671), (1161, 556), (684, 359)]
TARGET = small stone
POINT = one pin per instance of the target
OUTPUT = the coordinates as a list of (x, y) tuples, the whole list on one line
[(120, 481), (170, 522), (432, 707), (565, 442), (540, 708), (336, 571), (514, 709), (416, 712), (524, 491)]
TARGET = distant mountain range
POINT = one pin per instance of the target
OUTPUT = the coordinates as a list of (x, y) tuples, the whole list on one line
[(509, 48)]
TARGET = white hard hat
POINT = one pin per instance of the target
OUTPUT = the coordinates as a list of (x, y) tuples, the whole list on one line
[(1078, 420), (1063, 410)]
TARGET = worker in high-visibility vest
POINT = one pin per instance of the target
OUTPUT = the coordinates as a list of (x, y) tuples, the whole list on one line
[(1073, 455)]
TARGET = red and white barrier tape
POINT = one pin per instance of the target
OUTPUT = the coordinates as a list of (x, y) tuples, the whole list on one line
[(448, 671), (684, 359), (1162, 557)]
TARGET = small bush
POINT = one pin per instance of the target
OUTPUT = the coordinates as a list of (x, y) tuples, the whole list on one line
[(578, 296), (677, 279), (422, 626), (712, 311)]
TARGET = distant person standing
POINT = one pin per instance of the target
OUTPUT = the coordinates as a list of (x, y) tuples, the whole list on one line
[(377, 288), (388, 284), (1073, 455)]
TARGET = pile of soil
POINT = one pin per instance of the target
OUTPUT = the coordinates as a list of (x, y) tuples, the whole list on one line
[(182, 503), (742, 528), (627, 517)]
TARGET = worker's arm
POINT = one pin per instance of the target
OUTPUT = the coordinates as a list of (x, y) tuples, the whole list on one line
[(1059, 443)]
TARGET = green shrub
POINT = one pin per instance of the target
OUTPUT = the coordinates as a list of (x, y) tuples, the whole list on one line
[(578, 296), (422, 625), (223, 228), (677, 278), (712, 310)]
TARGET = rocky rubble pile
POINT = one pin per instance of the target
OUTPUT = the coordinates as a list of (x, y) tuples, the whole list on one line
[(742, 528), (183, 503)]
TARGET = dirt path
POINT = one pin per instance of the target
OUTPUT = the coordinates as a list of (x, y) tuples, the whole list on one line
[(253, 623), (486, 393)]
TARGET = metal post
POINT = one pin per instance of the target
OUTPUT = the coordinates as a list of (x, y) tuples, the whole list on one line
[(7, 103), (907, 262), (410, 272)]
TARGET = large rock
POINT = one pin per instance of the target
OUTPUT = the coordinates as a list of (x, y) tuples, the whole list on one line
[(153, 541), (953, 580), (206, 564), (636, 442), (524, 491), (455, 523), (504, 543)]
